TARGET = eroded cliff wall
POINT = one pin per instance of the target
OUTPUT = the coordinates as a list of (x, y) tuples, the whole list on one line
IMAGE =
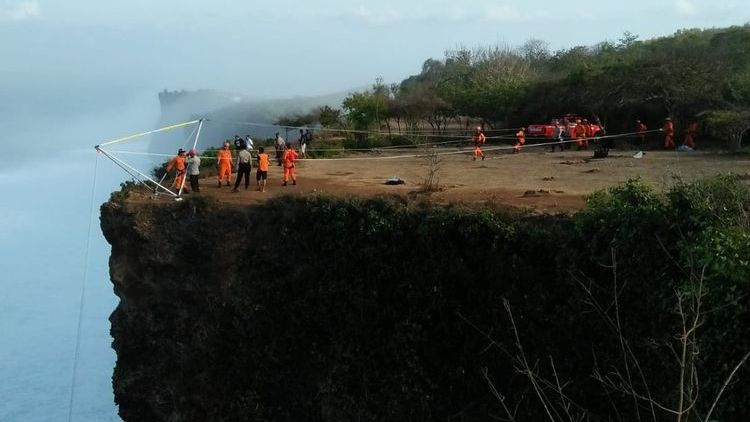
[(329, 309)]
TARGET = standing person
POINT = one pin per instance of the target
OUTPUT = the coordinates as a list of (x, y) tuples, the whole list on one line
[(262, 173), (239, 143), (304, 138), (301, 138), (224, 158), (193, 170), (308, 138), (479, 140), (569, 132), (580, 131), (668, 133), (641, 129), (178, 164), (520, 140), (244, 165), (249, 143), (278, 144), (290, 156), (558, 135), (690, 134)]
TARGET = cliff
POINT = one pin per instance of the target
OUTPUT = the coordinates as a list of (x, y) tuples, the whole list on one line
[(329, 309)]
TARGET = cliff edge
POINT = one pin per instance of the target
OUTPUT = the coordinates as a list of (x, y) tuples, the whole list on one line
[(333, 309)]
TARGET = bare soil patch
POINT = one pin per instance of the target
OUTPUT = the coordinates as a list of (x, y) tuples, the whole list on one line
[(543, 181)]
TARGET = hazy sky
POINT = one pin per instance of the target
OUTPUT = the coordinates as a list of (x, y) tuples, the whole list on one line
[(75, 49)]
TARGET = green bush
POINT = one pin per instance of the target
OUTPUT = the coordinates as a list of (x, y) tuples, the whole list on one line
[(350, 309)]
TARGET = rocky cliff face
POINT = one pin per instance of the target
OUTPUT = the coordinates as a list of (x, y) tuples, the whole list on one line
[(318, 309), (337, 310)]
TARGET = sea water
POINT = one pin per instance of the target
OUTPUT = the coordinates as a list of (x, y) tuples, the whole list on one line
[(46, 187)]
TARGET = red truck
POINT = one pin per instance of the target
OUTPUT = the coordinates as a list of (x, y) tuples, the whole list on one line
[(567, 121)]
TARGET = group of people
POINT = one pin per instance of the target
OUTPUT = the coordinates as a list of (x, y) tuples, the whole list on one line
[(688, 142), (226, 162), (581, 130)]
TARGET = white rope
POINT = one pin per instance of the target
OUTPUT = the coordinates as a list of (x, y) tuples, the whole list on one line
[(123, 163), (373, 132), (195, 143), (379, 149), (76, 354), (138, 135)]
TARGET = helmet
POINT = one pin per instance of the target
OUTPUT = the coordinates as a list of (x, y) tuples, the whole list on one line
[(180, 151)]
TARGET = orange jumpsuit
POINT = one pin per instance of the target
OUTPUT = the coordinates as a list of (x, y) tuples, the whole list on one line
[(642, 132), (479, 140), (668, 134), (289, 157), (690, 134), (224, 156), (520, 140), (580, 131), (177, 163)]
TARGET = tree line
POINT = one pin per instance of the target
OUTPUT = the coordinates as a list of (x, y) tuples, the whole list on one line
[(698, 75)]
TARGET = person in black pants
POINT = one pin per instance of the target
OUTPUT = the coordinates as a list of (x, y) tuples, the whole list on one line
[(244, 165)]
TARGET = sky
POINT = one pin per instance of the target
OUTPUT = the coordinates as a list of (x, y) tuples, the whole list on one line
[(75, 50), (74, 72)]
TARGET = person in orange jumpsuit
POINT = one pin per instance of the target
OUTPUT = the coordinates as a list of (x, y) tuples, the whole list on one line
[(224, 158), (690, 134), (668, 133), (641, 129), (580, 131), (178, 164), (520, 140), (479, 140), (262, 173), (288, 158)]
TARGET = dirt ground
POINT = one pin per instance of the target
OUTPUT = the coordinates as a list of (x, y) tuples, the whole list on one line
[(533, 179)]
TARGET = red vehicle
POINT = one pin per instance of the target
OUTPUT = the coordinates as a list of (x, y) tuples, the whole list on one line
[(568, 121)]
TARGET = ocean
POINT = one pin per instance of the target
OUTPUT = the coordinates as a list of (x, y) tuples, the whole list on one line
[(46, 186)]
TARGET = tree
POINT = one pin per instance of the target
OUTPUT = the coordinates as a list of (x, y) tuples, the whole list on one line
[(732, 124), (329, 117)]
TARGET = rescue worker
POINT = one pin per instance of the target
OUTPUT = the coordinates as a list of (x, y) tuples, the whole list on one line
[(224, 163), (289, 157), (479, 139), (580, 131), (558, 135), (520, 140), (589, 128), (262, 173), (690, 133), (278, 144), (668, 133), (641, 129), (178, 164), (244, 165), (569, 132), (193, 169)]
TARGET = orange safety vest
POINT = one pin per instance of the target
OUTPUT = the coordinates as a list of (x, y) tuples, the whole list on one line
[(290, 156), (177, 163), (263, 162), (225, 157)]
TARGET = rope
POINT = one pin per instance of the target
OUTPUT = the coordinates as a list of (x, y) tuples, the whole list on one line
[(411, 147), (373, 132), (76, 355), (138, 135)]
